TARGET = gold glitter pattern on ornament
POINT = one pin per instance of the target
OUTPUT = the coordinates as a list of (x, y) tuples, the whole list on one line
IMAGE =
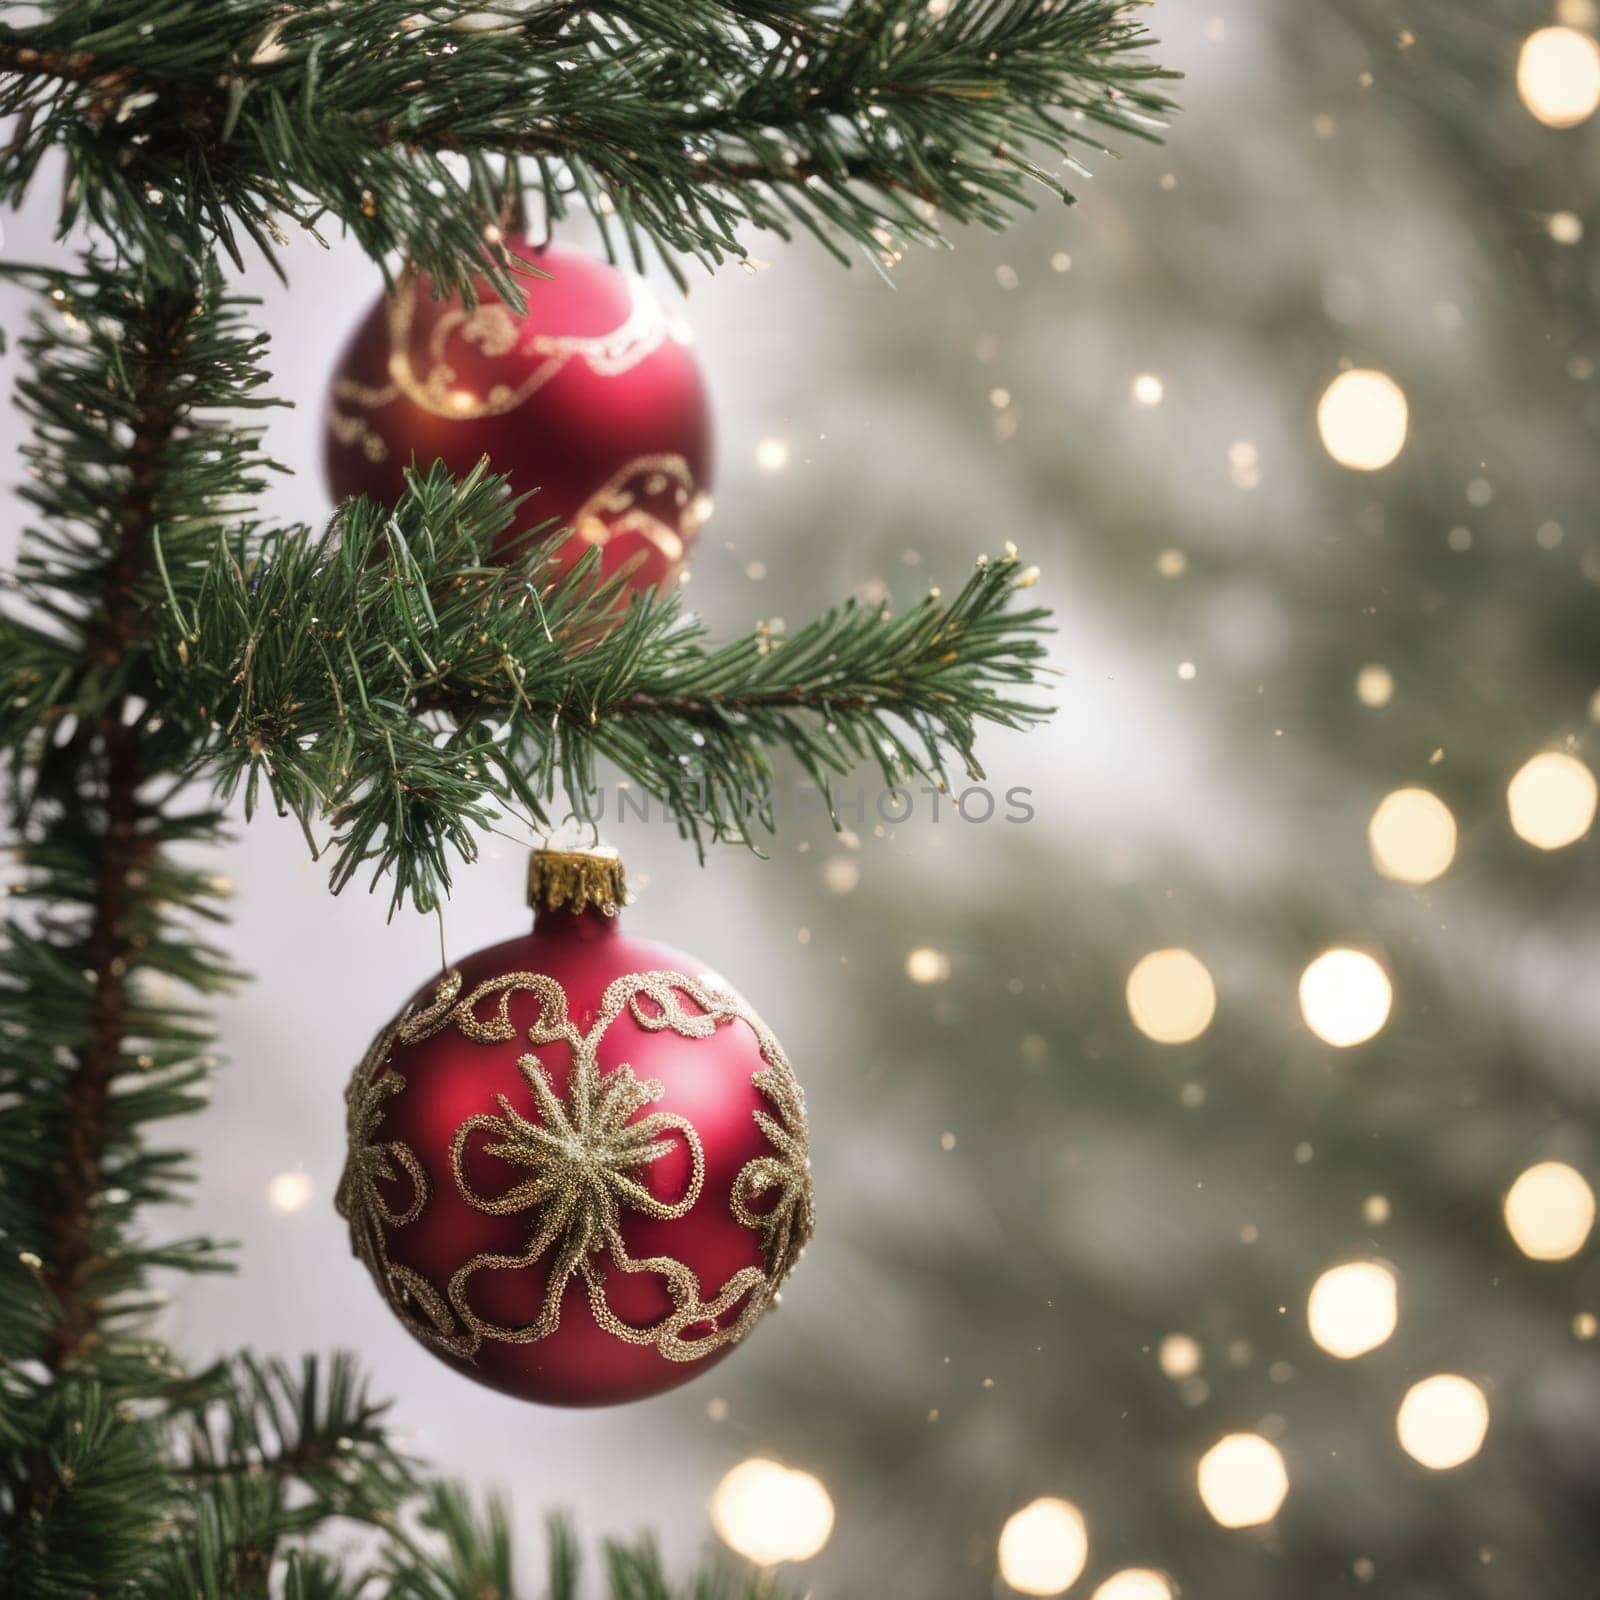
[(772, 1194), (370, 1165), (585, 1163), (427, 1021), (491, 328), (357, 433), (585, 1158), (621, 506), (789, 1219)]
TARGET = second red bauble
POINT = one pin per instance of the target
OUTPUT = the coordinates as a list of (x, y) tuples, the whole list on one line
[(592, 396), (577, 1162)]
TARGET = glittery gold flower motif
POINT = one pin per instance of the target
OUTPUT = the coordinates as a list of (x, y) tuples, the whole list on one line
[(585, 1161)]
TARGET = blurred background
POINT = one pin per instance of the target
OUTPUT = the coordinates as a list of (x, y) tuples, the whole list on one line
[(1206, 1166)]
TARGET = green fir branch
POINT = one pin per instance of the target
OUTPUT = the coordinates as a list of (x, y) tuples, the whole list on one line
[(674, 124), (383, 675), (96, 1043), (463, 1553), (82, 1481), (318, 1430), (264, 1455), (118, 377)]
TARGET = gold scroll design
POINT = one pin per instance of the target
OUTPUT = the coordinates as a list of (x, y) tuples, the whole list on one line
[(620, 506), (373, 1166), (493, 329), (585, 1159)]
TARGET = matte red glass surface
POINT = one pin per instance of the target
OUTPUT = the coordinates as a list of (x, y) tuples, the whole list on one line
[(450, 1078), (593, 397)]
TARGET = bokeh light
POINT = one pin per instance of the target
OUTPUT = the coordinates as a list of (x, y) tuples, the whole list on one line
[(1043, 1547), (1345, 997), (927, 965), (1375, 685), (1412, 836), (1148, 389), (289, 1192), (1135, 1583), (1353, 1308), (1549, 1211), (772, 455), (1442, 1421), (1171, 997), (1565, 227), (1179, 1355), (841, 874), (1552, 800), (1243, 1480), (1558, 76), (1363, 418), (769, 1513)]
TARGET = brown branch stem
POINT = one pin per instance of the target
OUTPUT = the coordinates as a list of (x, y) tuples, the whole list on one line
[(698, 707)]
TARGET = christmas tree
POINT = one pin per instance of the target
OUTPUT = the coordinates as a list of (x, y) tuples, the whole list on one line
[(173, 656)]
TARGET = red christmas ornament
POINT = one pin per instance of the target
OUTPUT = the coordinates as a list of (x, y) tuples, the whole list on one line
[(577, 1164), (593, 397)]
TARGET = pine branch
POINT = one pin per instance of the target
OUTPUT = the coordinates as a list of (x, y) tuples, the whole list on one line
[(319, 1428), (114, 392), (91, 1050), (679, 123), (264, 1456), (384, 676), (309, 1576), (464, 1554), (635, 1572), (89, 1483), (70, 1240), (461, 1554)]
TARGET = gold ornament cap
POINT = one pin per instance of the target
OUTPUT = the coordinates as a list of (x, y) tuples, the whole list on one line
[(577, 880)]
